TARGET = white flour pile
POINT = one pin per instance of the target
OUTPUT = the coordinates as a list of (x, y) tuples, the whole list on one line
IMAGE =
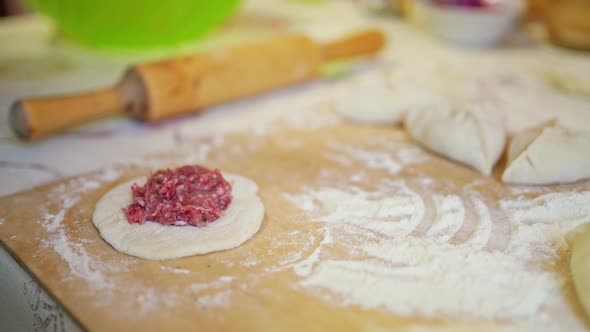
[(391, 268)]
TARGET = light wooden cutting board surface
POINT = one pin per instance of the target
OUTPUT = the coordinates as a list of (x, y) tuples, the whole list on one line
[(252, 287)]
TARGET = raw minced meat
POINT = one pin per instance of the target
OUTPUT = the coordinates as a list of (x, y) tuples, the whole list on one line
[(189, 195)]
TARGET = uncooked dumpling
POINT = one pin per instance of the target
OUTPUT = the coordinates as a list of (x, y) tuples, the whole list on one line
[(472, 134), (375, 102), (548, 153), (368, 104), (152, 240), (579, 240)]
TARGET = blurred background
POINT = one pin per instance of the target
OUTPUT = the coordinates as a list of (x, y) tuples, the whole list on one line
[(56, 47), (146, 24), (11, 7)]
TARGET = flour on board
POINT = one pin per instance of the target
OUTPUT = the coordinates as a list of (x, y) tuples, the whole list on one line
[(98, 274), (396, 269), (175, 270), (219, 299), (392, 159)]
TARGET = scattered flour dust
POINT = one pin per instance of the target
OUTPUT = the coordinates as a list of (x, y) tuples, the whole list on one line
[(250, 261), (150, 299), (81, 264), (219, 299), (389, 156), (396, 211), (450, 209), (396, 272), (175, 270), (96, 272), (373, 159), (213, 294), (73, 253)]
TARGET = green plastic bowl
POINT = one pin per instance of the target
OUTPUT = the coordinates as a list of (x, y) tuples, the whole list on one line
[(135, 24)]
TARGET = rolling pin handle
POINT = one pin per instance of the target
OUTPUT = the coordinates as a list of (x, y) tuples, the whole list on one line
[(365, 43), (38, 117), (19, 121), (134, 92)]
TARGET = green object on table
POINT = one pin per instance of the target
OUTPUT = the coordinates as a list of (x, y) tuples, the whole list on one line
[(135, 24)]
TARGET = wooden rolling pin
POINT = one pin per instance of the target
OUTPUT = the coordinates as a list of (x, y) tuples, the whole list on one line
[(158, 90)]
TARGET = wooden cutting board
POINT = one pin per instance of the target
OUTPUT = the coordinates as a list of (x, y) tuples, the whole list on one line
[(252, 287)]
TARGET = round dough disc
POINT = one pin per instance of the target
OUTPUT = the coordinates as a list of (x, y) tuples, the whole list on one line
[(152, 240)]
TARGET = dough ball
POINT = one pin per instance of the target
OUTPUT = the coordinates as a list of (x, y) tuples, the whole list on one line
[(472, 134), (548, 153), (373, 100), (152, 240), (369, 107)]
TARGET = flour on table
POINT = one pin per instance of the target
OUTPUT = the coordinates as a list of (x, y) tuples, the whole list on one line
[(151, 299), (306, 255), (100, 275), (566, 210), (305, 266), (53, 221), (250, 261), (292, 257), (219, 299), (214, 293), (456, 281), (450, 209), (391, 159), (217, 283), (80, 262), (175, 270), (484, 226), (376, 211), (374, 159), (400, 260)]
